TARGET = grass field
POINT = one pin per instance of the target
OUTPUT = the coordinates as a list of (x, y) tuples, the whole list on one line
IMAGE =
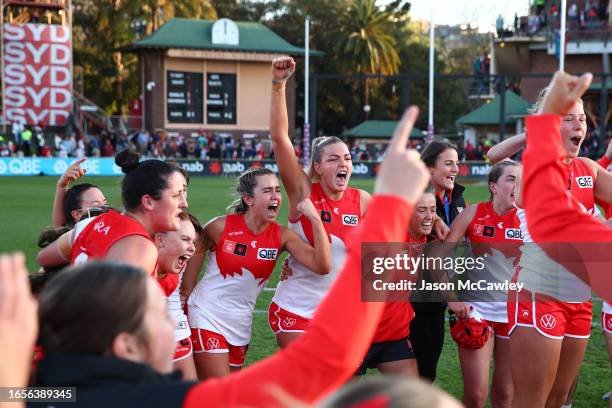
[(25, 209)]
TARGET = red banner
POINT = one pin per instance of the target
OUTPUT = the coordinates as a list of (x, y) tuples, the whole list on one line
[(37, 73)]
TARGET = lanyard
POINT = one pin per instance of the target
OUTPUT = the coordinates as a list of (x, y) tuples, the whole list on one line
[(447, 209)]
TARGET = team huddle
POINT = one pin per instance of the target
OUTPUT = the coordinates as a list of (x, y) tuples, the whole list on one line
[(119, 335)]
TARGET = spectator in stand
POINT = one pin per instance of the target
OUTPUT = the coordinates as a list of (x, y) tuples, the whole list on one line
[(16, 129), (591, 18), (214, 151), (142, 140), (79, 151), (572, 16), (26, 141), (107, 149), (499, 26), (4, 150), (259, 151)]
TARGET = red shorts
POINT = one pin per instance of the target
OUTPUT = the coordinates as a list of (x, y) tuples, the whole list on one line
[(606, 322), (499, 329), (183, 349), (205, 341), (550, 317), (280, 320)]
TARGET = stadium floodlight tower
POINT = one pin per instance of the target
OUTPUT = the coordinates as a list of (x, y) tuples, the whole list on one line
[(36, 61)]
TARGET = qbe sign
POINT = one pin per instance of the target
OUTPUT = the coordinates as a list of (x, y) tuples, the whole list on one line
[(37, 77)]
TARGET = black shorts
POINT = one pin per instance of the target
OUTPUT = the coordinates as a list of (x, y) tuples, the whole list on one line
[(385, 352)]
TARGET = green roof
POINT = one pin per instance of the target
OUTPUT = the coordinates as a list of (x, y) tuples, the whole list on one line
[(597, 86), (488, 114), (378, 129), (196, 34)]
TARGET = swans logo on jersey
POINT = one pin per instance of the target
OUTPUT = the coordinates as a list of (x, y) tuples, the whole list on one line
[(267, 254), (548, 321), (459, 209), (514, 233), (254, 244), (101, 228), (336, 211), (349, 219), (584, 182), (325, 216), (234, 248), (500, 225)]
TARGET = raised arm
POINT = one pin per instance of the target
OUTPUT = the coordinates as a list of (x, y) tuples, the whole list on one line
[(296, 182), (326, 356), (211, 233), (318, 258), (72, 174), (507, 148), (56, 253)]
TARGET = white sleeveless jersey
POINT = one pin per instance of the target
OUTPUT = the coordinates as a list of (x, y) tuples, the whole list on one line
[(302, 292), (238, 268), (225, 305), (182, 330), (542, 274)]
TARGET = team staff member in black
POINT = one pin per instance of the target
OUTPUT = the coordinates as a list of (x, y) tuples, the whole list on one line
[(427, 328)]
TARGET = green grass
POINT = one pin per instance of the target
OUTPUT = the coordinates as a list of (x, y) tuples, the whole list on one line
[(25, 209)]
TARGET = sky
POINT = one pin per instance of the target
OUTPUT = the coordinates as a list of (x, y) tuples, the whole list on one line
[(482, 12)]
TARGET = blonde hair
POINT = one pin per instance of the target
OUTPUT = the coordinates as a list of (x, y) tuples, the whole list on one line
[(245, 186), (538, 103), (318, 144)]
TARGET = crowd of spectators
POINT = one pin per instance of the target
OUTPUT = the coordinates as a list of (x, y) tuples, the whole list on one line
[(26, 141), (544, 15)]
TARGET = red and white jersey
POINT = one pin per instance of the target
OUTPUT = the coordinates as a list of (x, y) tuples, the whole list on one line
[(93, 237), (238, 268), (182, 330), (538, 271), (495, 238), (304, 290), (395, 320)]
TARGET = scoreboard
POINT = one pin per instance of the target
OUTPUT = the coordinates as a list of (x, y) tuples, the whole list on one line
[(221, 98), (184, 97)]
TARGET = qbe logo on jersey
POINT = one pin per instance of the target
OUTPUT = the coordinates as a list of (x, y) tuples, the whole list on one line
[(584, 182), (514, 233), (267, 254), (351, 220)]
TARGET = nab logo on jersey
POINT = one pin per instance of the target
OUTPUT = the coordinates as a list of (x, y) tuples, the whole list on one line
[(267, 254), (325, 216), (514, 233), (584, 182), (349, 219)]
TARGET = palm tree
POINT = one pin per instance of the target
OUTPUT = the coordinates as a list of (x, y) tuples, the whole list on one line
[(368, 46)]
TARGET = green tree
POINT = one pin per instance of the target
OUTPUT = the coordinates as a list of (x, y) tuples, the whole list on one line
[(367, 43)]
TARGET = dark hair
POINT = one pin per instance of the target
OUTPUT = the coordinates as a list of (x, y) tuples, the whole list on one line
[(316, 151), (73, 200), (149, 177), (39, 280), (197, 226), (497, 170), (433, 150), (245, 186), (387, 391), (84, 308)]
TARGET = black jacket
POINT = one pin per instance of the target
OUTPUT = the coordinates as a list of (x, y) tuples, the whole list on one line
[(456, 205), (110, 383)]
